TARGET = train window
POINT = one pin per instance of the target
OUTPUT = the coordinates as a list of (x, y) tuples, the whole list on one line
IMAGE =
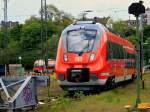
[(117, 51), (130, 60), (109, 53), (90, 34), (130, 56), (108, 50), (120, 52), (114, 51), (80, 40)]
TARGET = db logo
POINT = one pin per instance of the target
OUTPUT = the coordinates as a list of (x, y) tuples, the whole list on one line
[(78, 59)]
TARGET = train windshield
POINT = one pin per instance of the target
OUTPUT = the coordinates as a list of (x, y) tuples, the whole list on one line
[(80, 40)]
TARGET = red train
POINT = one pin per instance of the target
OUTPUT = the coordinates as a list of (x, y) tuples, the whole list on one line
[(89, 56), (40, 67)]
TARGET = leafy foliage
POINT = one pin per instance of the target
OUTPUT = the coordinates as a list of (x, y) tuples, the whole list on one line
[(120, 27), (146, 32)]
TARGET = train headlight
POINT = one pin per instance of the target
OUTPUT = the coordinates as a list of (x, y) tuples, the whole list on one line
[(94, 77), (92, 57), (65, 57), (61, 77)]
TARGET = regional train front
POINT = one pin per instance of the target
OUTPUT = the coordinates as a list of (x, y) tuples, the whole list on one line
[(81, 57)]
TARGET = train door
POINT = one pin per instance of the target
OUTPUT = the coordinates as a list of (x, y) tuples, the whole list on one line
[(116, 61), (113, 63)]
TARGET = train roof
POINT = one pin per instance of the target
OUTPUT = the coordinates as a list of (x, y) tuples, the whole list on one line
[(85, 25), (99, 27)]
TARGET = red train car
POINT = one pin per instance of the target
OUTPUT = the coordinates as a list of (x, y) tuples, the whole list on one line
[(39, 66), (51, 65), (89, 56)]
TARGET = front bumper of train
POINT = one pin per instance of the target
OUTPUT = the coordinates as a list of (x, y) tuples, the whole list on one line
[(83, 86)]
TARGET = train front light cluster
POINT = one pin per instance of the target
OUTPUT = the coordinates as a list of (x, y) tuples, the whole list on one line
[(92, 57), (65, 57), (61, 77), (94, 77)]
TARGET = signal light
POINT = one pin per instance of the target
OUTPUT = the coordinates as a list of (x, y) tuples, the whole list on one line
[(136, 9)]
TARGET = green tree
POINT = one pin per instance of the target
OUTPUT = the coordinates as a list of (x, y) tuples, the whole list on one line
[(52, 46), (65, 19), (147, 51), (13, 51), (2, 39), (53, 12), (57, 16), (15, 32), (31, 20), (146, 32), (31, 32), (120, 27), (103, 20), (133, 39), (130, 31)]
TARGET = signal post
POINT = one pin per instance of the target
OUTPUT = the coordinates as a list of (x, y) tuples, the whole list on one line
[(138, 9)]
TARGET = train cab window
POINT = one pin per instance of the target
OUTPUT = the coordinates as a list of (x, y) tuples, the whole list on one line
[(81, 40)]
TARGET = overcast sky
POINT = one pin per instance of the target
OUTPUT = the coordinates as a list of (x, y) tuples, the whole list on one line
[(19, 10)]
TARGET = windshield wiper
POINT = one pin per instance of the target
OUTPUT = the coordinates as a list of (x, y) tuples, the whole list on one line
[(86, 47)]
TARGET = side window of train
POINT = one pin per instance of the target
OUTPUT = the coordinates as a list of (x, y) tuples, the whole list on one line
[(117, 51), (109, 52), (121, 52), (131, 63)]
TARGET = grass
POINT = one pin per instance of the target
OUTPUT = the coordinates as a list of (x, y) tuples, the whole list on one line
[(108, 101)]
